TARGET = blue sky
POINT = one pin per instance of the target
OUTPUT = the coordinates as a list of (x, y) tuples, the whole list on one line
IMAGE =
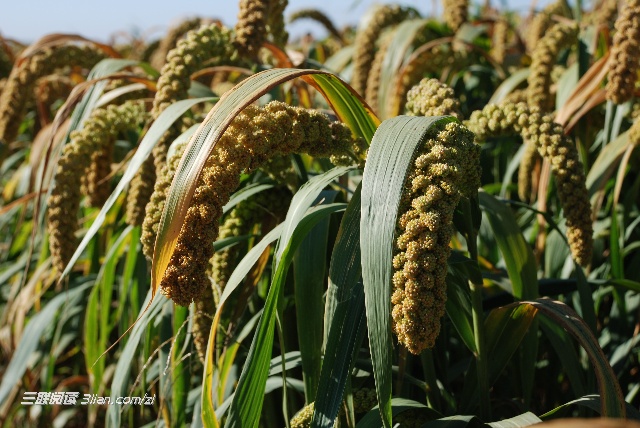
[(27, 20)]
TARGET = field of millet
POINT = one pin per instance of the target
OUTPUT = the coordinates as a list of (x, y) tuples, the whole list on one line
[(418, 221)]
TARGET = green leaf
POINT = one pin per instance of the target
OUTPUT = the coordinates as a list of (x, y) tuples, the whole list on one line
[(32, 335), (309, 265), (344, 317), (523, 420), (160, 125), (390, 155), (517, 254), (613, 401), (346, 103), (247, 403)]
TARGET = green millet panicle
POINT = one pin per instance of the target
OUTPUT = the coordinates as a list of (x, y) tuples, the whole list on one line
[(559, 37), (447, 168), (364, 399), (250, 30), (541, 23), (102, 126), (431, 97), (208, 42), (275, 22), (455, 13), (254, 136), (23, 77), (170, 40), (548, 136), (623, 64), (366, 37), (302, 419), (373, 81), (318, 16)]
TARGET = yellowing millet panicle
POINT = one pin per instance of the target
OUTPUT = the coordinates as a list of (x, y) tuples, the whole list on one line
[(446, 169), (435, 60), (302, 419), (21, 81), (373, 81), (455, 13), (431, 97), (275, 22), (549, 139), (254, 136), (499, 40), (102, 126), (206, 43), (623, 63), (383, 17), (250, 30), (541, 23), (559, 37), (171, 39)]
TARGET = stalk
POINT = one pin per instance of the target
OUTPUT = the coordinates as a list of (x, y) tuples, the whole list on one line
[(478, 332)]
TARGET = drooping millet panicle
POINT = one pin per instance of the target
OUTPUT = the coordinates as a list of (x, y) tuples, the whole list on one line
[(559, 37), (23, 77), (154, 208), (254, 136), (203, 311), (149, 50), (634, 133), (432, 61), (364, 399), (373, 80), (51, 88), (606, 13), (170, 40), (541, 23), (209, 42), (280, 169), (302, 419), (275, 22), (266, 209), (97, 187), (548, 136), (623, 64), (250, 30), (500, 40), (366, 37), (516, 96), (102, 126), (525, 171), (431, 97), (446, 169), (318, 16), (455, 13)]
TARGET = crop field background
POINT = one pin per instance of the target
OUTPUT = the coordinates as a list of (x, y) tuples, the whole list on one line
[(419, 220)]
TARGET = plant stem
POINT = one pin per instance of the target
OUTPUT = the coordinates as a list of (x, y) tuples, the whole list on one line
[(478, 332)]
